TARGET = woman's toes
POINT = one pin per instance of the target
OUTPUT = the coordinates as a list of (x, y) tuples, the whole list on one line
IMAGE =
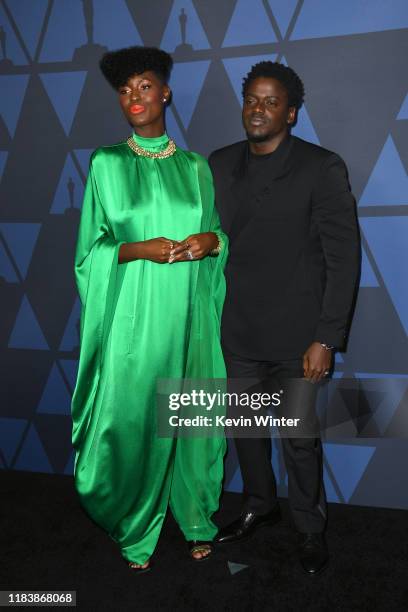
[(138, 565)]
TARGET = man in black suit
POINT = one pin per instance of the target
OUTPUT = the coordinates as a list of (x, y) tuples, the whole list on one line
[(291, 277)]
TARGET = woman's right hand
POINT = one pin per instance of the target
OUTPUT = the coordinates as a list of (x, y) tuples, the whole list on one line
[(156, 249)]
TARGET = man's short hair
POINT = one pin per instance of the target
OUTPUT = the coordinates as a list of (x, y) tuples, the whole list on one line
[(285, 75)]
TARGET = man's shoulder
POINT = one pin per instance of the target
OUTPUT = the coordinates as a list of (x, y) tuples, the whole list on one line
[(312, 151), (228, 153)]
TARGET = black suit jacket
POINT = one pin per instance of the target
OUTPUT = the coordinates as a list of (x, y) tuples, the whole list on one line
[(294, 250)]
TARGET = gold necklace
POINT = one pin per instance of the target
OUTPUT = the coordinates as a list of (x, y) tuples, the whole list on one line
[(167, 152)]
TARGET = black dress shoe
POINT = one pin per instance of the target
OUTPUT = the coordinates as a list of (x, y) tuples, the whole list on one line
[(313, 553), (245, 526)]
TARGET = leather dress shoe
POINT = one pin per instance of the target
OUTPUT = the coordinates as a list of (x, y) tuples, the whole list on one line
[(313, 553), (245, 526)]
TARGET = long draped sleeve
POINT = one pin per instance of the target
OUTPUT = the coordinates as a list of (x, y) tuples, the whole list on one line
[(211, 223), (205, 358), (96, 272)]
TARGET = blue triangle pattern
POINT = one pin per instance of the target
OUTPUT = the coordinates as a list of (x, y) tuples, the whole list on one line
[(55, 398), (114, 26), (11, 431), (187, 79), (249, 25), (388, 183), (13, 89), (29, 17), (403, 114), (65, 32), (283, 11), (27, 333), (238, 67), (235, 484), (21, 239), (393, 389), (368, 278), (33, 457), (331, 493), (338, 358), (7, 272), (69, 468), (387, 237), (70, 189), (57, 85), (348, 464), (321, 18), (70, 339), (70, 367), (304, 127), (84, 156), (173, 130), (14, 52), (195, 33), (3, 159)]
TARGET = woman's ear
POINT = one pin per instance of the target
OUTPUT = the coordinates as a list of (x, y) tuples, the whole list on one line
[(166, 94)]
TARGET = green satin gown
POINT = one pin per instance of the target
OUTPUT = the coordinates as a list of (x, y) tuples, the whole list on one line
[(142, 321)]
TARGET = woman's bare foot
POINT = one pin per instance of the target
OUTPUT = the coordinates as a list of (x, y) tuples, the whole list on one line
[(201, 553), (200, 550), (139, 566)]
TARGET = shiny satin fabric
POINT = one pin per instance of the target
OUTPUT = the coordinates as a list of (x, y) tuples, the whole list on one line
[(141, 321)]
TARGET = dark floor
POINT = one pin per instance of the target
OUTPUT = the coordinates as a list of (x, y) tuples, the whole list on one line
[(49, 543)]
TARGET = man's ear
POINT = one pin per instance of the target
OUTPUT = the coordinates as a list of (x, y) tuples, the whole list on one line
[(291, 115)]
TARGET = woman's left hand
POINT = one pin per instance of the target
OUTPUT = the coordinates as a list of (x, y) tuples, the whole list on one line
[(193, 247)]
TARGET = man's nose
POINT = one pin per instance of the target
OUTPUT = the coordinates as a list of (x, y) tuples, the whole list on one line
[(259, 107)]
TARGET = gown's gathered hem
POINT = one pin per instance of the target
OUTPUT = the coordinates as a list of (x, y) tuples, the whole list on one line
[(200, 534)]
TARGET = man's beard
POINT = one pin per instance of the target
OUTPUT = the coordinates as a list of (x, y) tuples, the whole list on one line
[(258, 137)]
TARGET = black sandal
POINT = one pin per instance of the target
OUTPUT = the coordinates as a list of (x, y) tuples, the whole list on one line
[(200, 546)]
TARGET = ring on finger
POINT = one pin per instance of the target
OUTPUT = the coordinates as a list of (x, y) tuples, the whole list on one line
[(189, 254)]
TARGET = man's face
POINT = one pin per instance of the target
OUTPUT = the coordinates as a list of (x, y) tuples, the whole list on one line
[(265, 111)]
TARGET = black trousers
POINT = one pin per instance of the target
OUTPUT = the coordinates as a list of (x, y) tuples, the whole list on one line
[(303, 456)]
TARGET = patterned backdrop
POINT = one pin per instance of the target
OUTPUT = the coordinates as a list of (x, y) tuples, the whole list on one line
[(55, 109)]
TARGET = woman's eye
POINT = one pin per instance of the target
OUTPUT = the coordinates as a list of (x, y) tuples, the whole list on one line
[(146, 86), (123, 92)]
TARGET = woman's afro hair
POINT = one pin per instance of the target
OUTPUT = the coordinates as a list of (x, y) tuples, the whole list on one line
[(118, 66), (285, 75)]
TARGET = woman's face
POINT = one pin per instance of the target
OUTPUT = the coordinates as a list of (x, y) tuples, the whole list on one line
[(142, 102)]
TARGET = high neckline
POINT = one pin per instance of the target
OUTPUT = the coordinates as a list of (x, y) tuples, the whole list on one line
[(158, 143)]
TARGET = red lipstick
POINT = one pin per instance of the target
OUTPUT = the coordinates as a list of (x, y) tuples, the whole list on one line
[(135, 109)]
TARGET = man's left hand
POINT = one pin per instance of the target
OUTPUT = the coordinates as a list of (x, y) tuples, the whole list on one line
[(316, 362)]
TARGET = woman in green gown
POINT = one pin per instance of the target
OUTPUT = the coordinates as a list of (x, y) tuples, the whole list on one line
[(149, 271)]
